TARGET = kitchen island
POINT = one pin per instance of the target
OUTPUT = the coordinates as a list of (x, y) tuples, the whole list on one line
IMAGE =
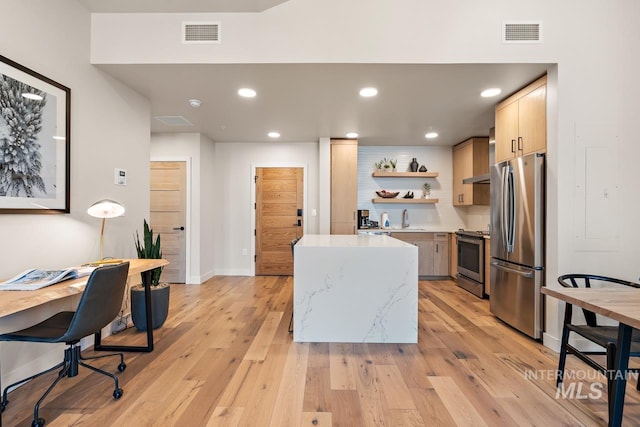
[(355, 288)]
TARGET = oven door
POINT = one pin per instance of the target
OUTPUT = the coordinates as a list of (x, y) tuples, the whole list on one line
[(471, 258)]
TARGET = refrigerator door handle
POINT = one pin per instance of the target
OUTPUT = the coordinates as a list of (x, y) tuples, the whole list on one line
[(503, 207), (499, 266), (511, 209)]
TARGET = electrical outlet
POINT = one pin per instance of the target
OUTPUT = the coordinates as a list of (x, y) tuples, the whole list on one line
[(314, 212), (245, 252)]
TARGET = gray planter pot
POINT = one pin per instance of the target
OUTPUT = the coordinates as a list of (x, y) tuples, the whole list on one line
[(159, 307)]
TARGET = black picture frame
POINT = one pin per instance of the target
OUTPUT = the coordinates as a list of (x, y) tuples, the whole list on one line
[(35, 142)]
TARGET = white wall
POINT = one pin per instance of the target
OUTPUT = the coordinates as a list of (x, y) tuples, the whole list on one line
[(208, 209), (595, 84), (109, 129), (233, 196), (441, 216)]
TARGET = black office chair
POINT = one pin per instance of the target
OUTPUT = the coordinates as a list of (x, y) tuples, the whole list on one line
[(99, 305), (603, 335), (293, 244)]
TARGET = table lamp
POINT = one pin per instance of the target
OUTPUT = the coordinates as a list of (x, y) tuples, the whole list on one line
[(105, 209)]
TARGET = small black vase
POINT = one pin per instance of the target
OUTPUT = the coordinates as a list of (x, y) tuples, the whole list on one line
[(414, 165)]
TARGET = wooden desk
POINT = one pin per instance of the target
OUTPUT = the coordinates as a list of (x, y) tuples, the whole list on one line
[(617, 304), (12, 302)]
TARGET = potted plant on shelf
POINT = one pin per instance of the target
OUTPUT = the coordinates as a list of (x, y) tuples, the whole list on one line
[(426, 190), (149, 249), (393, 163)]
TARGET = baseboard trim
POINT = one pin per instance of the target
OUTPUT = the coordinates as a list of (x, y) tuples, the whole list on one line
[(233, 272)]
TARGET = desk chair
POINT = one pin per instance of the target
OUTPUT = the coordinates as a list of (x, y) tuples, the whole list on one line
[(99, 305), (603, 335)]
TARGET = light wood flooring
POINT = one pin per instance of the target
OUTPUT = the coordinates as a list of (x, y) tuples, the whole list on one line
[(224, 358)]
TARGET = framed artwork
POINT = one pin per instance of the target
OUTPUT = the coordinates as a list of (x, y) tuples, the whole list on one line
[(35, 124)]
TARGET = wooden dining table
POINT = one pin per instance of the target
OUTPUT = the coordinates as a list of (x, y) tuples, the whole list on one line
[(622, 305)]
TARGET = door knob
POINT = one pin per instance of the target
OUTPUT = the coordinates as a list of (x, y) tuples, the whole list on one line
[(178, 228)]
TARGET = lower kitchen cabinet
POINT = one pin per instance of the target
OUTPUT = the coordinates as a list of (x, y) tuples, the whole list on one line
[(433, 252)]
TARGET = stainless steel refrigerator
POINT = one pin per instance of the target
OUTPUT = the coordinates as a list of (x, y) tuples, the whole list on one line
[(518, 242)]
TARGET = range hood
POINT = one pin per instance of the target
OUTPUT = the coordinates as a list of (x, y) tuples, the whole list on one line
[(480, 179)]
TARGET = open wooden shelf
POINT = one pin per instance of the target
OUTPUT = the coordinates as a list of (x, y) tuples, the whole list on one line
[(401, 200), (405, 174)]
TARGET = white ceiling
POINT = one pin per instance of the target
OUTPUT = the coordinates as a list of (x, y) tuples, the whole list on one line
[(307, 101)]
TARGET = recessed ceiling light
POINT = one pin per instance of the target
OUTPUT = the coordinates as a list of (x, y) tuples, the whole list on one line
[(195, 103), (431, 135), (32, 96), (59, 138), (352, 134), (488, 93), (246, 92), (273, 134), (368, 92)]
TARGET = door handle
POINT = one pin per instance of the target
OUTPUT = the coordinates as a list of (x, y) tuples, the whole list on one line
[(298, 224), (179, 228), (519, 143), (513, 144)]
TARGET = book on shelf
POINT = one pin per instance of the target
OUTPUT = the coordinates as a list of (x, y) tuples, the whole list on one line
[(33, 279)]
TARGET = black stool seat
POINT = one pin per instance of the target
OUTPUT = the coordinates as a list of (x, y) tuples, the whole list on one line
[(603, 335)]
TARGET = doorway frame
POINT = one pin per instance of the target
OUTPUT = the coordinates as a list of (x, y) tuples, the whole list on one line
[(187, 202), (252, 191)]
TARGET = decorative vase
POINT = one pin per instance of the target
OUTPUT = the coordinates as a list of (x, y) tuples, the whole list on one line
[(414, 165), (159, 307)]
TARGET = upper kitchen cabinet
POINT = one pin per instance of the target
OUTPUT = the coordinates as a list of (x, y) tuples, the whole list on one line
[(521, 122), (344, 185), (470, 159)]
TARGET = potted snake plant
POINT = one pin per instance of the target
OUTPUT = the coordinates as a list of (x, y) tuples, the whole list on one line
[(148, 248)]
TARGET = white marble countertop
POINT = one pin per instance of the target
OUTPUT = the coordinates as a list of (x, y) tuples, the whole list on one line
[(350, 241)]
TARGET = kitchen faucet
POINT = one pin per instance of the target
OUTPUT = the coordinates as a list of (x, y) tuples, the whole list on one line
[(405, 218)]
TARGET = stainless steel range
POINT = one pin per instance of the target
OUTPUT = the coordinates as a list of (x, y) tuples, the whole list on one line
[(471, 274)]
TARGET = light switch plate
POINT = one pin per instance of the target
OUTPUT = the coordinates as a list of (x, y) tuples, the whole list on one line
[(120, 176)]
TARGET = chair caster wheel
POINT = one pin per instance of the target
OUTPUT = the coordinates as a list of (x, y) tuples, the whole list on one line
[(38, 423), (117, 393), (122, 367)]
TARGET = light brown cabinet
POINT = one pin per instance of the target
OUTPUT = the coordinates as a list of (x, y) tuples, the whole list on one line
[(470, 158), (521, 122), (433, 252), (453, 255), (344, 185)]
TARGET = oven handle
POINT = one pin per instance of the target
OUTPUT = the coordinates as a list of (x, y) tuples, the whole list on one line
[(470, 240), (499, 266)]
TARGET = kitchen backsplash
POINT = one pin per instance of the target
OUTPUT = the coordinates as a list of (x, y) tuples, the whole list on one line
[(441, 215)]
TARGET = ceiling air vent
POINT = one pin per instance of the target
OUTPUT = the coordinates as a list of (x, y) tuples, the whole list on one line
[(201, 32), (173, 120), (522, 32)]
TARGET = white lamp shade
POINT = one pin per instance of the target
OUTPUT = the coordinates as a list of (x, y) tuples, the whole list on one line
[(106, 209)]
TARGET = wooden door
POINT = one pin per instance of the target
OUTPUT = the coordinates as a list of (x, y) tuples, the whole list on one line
[(167, 216), (279, 194), (533, 121), (506, 132)]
